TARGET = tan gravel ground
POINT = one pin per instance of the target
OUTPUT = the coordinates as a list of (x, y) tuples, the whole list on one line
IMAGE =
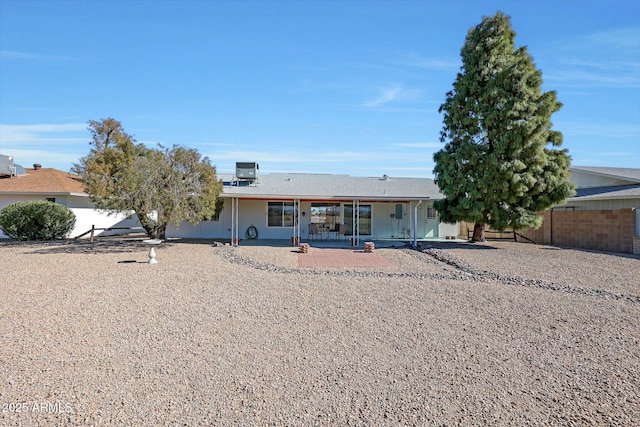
[(92, 335)]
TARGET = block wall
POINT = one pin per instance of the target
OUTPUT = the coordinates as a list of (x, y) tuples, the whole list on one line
[(605, 230)]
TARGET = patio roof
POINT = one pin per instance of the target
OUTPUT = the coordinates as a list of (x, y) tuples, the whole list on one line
[(333, 187)]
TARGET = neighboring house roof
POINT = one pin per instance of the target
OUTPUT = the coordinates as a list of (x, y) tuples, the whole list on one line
[(602, 193), (43, 181), (629, 174), (609, 192), (334, 187)]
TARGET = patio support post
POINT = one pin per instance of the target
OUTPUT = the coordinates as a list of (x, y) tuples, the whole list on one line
[(355, 229), (415, 224), (296, 222), (234, 222)]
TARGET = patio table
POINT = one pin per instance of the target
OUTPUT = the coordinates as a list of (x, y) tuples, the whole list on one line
[(323, 232)]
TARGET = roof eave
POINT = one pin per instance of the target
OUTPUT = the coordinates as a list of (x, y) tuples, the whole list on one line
[(606, 175), (586, 198), (44, 193), (322, 197)]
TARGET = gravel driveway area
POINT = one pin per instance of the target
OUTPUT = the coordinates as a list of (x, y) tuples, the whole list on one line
[(492, 334)]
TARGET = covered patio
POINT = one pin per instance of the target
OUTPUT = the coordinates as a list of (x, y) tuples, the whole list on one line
[(333, 210), (344, 244)]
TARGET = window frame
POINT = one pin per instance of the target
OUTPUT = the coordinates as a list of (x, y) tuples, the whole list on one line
[(348, 219), (287, 214), (334, 219)]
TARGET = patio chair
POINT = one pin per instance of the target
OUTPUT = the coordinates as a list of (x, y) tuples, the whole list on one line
[(313, 231), (341, 229)]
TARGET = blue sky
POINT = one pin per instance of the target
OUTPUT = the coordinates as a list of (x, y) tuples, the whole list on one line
[(300, 86)]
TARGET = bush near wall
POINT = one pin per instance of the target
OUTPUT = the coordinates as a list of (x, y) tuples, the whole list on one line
[(37, 220)]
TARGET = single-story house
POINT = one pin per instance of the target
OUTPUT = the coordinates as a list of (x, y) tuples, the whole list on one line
[(604, 214), (314, 206), (22, 184), (268, 206), (605, 188)]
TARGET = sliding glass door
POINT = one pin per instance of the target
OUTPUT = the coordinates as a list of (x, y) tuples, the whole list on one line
[(365, 219)]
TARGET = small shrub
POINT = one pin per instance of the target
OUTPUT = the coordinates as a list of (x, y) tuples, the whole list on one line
[(37, 220)]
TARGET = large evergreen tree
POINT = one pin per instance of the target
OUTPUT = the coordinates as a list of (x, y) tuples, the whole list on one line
[(501, 162), (163, 186)]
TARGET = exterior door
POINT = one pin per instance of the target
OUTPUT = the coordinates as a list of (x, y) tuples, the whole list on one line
[(364, 213), (431, 221)]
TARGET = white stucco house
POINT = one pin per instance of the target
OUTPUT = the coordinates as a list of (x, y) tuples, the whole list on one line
[(285, 205), (269, 206), (38, 183)]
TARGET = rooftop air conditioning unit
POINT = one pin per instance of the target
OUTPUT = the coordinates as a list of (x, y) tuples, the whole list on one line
[(7, 167), (247, 171)]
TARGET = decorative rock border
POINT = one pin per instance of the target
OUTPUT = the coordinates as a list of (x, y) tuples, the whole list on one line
[(463, 271)]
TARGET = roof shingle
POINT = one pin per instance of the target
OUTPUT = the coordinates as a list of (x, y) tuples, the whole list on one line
[(43, 181), (343, 187)]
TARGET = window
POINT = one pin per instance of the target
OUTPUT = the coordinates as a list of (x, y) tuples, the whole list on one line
[(364, 214), (326, 214), (51, 199), (280, 214), (431, 212)]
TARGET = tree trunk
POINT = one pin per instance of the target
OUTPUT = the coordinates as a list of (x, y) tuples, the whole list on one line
[(161, 231), (478, 233), (156, 231)]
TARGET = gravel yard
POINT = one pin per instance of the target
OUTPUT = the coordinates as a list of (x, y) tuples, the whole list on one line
[(493, 334)]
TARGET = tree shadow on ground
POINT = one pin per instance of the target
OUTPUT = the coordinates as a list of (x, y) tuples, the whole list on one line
[(100, 246), (591, 251), (486, 245), (456, 245)]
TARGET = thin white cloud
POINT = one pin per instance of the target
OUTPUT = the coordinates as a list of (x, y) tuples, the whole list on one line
[(419, 144), (619, 153), (583, 78), (34, 134), (413, 59), (393, 93), (28, 56), (47, 158), (624, 38), (288, 156), (307, 159), (604, 59), (608, 130), (52, 145)]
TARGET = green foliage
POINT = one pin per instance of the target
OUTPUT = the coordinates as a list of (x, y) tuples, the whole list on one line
[(36, 220), (499, 165), (163, 186)]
